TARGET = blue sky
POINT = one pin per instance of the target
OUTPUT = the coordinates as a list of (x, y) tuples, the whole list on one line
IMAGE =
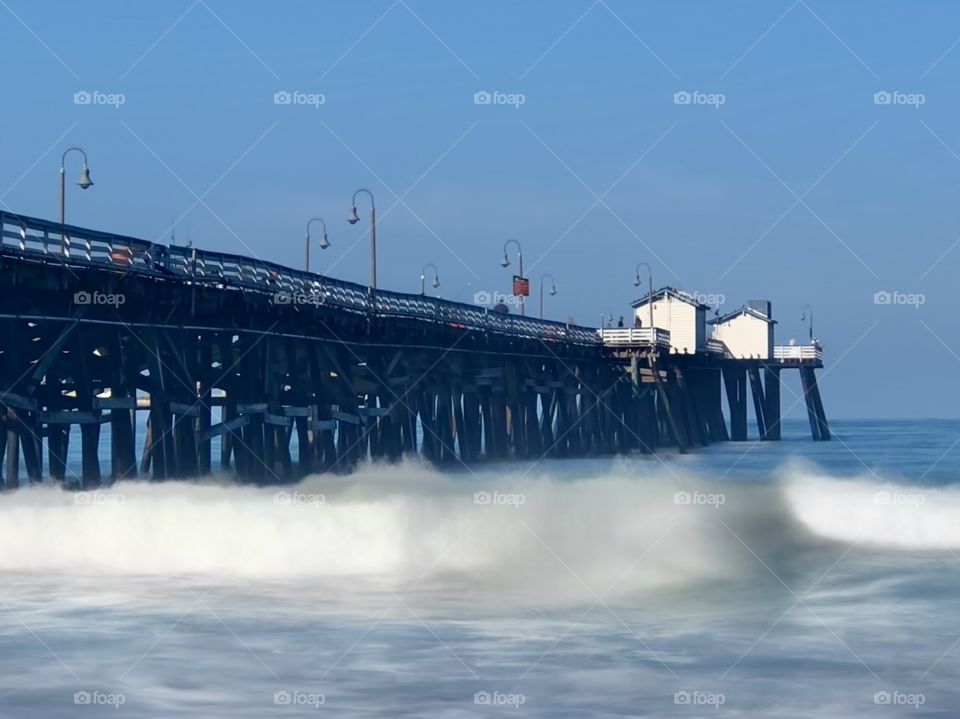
[(798, 188)]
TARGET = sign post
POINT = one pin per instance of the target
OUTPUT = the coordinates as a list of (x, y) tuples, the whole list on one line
[(521, 288)]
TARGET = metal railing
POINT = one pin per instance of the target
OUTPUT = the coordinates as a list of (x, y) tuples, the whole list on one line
[(806, 353), (33, 239), (716, 347), (635, 336)]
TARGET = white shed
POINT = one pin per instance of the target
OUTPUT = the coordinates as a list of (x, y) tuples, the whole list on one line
[(680, 314), (747, 332)]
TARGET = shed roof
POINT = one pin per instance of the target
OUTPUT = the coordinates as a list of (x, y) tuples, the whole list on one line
[(671, 292), (742, 311)]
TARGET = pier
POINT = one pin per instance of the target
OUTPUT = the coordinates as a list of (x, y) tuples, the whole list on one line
[(289, 373)]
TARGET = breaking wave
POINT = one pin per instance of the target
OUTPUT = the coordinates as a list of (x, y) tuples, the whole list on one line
[(610, 528)]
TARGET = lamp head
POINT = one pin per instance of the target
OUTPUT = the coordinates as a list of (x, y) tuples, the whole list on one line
[(85, 180), (505, 262), (352, 216), (636, 281), (436, 282), (324, 242), (553, 290), (803, 316)]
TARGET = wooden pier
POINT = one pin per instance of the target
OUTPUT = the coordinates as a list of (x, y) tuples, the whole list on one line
[(288, 373)]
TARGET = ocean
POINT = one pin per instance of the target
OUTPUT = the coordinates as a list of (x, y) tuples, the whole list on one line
[(785, 579)]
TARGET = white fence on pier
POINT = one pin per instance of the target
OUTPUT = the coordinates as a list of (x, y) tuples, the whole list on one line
[(636, 337), (804, 353)]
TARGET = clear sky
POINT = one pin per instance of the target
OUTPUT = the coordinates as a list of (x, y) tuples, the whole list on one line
[(783, 178)]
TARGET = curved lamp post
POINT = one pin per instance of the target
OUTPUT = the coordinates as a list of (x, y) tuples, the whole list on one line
[(423, 277), (807, 309), (505, 262), (84, 181), (324, 242), (353, 218), (553, 289), (636, 282)]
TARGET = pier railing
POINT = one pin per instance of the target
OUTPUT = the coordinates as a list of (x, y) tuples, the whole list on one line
[(716, 347), (30, 238), (805, 353), (636, 336)]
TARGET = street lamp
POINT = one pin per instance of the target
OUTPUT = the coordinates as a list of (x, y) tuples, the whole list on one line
[(353, 218), (553, 289), (636, 283), (84, 181), (803, 316), (324, 242), (423, 277), (505, 262)]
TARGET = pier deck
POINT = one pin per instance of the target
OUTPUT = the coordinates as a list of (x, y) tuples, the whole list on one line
[(264, 360)]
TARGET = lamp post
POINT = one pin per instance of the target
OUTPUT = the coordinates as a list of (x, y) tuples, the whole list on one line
[(803, 316), (423, 277), (353, 218), (84, 181), (636, 283), (324, 242), (505, 262), (553, 289)]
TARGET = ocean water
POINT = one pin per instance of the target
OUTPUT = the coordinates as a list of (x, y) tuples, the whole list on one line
[(786, 579)]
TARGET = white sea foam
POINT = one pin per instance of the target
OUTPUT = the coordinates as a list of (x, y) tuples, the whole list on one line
[(616, 528), (873, 511), (622, 531)]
